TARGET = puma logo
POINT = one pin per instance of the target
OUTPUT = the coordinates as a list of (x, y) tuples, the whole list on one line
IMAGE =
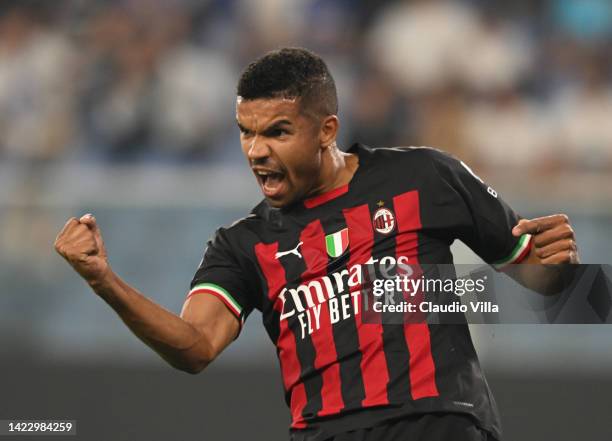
[(292, 251)]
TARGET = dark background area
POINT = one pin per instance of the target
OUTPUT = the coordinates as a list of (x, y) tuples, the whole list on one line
[(121, 403)]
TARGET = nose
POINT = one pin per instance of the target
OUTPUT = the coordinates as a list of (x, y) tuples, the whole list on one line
[(258, 149)]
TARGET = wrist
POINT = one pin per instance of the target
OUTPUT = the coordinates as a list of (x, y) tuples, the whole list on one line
[(103, 282)]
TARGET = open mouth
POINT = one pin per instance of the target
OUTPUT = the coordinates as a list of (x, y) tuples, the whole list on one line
[(272, 182)]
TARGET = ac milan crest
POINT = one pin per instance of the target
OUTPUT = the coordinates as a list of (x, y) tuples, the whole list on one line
[(383, 221)]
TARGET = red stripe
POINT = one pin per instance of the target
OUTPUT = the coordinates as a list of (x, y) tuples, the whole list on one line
[(373, 363), (418, 339), (217, 295), (287, 353), (325, 197), (344, 239), (326, 358)]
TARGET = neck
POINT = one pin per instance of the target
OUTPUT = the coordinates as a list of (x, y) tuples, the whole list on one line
[(337, 169)]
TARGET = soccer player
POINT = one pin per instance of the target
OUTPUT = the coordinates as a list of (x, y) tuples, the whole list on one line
[(297, 257)]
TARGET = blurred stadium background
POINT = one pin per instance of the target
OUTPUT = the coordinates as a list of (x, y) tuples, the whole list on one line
[(125, 109)]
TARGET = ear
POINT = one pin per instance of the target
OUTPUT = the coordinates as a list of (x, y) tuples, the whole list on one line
[(328, 131)]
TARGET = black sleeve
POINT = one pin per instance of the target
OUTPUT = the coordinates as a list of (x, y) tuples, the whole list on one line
[(489, 229), (224, 274)]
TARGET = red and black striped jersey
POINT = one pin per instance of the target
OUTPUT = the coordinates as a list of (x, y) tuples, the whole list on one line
[(300, 267)]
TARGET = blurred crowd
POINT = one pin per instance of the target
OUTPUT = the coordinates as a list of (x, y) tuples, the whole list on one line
[(513, 84), (102, 103)]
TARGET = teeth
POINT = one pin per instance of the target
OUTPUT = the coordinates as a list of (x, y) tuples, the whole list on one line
[(266, 173)]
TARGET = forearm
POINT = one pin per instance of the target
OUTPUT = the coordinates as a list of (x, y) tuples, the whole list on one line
[(538, 278), (175, 340), (541, 278)]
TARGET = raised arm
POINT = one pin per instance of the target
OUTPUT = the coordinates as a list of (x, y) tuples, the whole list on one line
[(188, 342)]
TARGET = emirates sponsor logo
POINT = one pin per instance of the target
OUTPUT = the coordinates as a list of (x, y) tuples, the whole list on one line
[(340, 291)]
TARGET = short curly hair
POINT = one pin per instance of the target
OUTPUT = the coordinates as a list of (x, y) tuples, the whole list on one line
[(291, 73)]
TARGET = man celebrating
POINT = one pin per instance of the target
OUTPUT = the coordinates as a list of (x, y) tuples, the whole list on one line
[(297, 259)]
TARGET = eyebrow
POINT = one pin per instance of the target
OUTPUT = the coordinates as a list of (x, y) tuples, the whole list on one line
[(274, 126), (241, 127)]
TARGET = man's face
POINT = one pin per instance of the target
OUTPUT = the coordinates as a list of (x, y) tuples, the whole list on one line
[(283, 147)]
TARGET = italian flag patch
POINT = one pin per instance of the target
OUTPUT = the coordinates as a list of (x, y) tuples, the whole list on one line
[(337, 243), (518, 253), (221, 294)]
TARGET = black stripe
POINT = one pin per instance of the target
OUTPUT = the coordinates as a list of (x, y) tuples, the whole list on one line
[(447, 341)]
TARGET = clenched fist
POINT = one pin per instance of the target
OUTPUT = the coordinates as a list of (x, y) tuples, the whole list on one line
[(554, 240), (80, 243)]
